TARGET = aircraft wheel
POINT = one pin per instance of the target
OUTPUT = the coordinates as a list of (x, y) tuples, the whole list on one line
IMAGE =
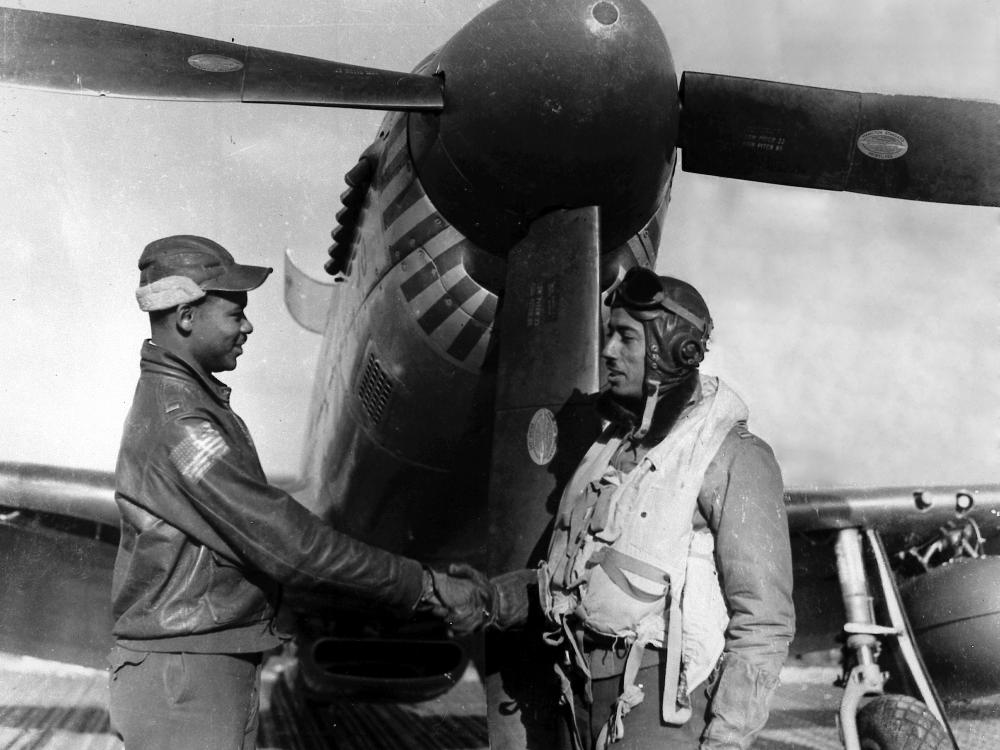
[(899, 722)]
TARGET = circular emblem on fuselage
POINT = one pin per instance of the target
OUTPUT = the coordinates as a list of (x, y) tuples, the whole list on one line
[(542, 436), (882, 144), (215, 63)]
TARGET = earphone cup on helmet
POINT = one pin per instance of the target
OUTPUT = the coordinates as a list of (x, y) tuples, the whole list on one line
[(688, 352)]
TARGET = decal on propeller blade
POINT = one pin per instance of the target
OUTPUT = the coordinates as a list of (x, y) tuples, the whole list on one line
[(542, 436), (882, 144)]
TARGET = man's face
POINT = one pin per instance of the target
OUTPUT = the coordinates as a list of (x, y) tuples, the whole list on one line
[(219, 330), (624, 354)]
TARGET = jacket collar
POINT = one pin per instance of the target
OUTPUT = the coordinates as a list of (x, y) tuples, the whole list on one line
[(156, 358), (669, 407)]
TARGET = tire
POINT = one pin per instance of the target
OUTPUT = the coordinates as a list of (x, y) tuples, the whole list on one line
[(898, 722)]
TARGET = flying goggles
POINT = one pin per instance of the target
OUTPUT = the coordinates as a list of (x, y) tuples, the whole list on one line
[(642, 293)]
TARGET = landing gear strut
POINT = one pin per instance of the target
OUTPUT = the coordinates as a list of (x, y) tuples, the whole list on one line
[(889, 722)]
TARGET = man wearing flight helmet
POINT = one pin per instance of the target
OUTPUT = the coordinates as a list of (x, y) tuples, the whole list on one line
[(669, 569)]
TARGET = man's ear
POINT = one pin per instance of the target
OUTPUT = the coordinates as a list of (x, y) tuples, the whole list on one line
[(185, 318)]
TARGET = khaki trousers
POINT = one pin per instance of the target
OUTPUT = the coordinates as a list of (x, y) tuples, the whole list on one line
[(164, 701)]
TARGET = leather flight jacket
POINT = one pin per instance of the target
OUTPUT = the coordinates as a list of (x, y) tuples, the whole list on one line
[(206, 542)]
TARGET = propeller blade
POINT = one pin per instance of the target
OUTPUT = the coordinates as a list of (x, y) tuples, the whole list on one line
[(99, 58), (913, 147), (549, 329), (549, 337)]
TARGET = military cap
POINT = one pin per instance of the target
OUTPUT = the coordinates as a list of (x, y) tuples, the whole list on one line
[(183, 268)]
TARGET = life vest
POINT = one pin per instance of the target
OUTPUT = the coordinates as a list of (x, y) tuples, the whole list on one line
[(625, 561)]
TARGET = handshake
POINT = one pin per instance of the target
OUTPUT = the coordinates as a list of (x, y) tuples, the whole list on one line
[(468, 601)]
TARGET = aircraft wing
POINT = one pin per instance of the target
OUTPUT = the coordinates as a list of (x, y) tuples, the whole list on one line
[(77, 493), (58, 536), (59, 532), (914, 147), (912, 521), (895, 511)]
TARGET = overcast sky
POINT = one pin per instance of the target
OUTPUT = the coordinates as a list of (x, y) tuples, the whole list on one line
[(862, 332)]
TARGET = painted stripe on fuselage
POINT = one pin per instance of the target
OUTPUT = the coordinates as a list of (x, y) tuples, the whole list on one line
[(486, 311), (417, 236), (446, 305), (398, 160), (394, 183), (451, 308), (445, 241), (402, 202), (449, 259), (437, 266), (395, 146), (470, 339), (419, 281)]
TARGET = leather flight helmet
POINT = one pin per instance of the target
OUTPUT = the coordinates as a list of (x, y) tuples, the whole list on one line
[(676, 323)]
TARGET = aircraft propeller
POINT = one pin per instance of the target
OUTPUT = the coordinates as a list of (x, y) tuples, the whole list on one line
[(100, 58), (549, 323), (915, 147), (551, 105)]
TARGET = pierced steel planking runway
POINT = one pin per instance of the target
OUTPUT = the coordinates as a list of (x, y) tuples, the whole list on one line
[(46, 705)]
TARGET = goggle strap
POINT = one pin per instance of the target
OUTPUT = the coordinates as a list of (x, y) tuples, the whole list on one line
[(649, 406), (683, 312)]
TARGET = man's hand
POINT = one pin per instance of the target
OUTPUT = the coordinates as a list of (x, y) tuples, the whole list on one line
[(463, 597)]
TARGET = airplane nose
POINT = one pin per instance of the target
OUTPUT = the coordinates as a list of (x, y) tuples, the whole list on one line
[(563, 103)]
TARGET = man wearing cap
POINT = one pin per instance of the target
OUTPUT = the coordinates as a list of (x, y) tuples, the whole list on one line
[(206, 542), (667, 587)]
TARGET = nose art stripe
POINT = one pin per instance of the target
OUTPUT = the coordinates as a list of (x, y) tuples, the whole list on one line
[(486, 312), (432, 225), (395, 142), (449, 303), (449, 258), (467, 340), (403, 201), (419, 281)]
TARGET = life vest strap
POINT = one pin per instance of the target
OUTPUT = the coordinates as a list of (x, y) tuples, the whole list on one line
[(671, 712), (615, 563)]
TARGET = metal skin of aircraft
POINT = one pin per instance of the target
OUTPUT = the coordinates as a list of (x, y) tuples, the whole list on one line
[(460, 345)]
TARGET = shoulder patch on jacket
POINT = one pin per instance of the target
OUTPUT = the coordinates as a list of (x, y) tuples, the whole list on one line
[(199, 451), (742, 431)]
